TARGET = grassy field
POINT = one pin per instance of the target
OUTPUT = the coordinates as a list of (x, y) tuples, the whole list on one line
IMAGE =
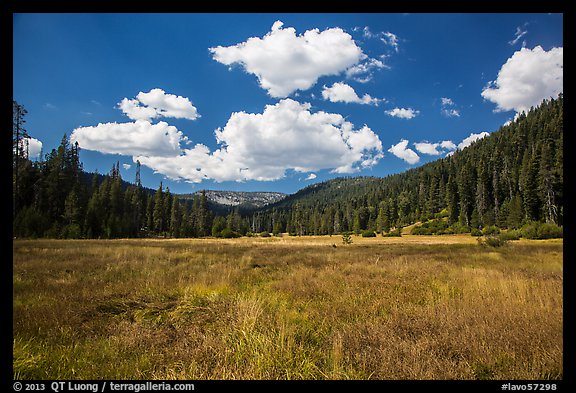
[(416, 307)]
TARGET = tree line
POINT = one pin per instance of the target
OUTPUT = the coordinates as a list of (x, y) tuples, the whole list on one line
[(508, 179), (53, 197)]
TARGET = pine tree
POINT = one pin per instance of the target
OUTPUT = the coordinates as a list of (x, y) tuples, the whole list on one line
[(515, 212), (466, 181), (548, 184), (175, 218), (158, 213), (452, 200), (72, 216), (19, 134), (529, 182)]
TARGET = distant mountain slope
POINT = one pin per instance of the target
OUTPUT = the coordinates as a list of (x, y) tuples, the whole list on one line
[(335, 190), (220, 201), (512, 176)]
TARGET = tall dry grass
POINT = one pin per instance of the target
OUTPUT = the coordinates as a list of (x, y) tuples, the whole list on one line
[(287, 308)]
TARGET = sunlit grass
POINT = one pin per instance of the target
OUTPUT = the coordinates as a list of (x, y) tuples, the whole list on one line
[(415, 307)]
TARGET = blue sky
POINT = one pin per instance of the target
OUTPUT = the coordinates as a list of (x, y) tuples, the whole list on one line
[(275, 102)]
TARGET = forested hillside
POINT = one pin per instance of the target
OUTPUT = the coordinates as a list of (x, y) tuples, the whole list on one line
[(507, 179), (510, 178)]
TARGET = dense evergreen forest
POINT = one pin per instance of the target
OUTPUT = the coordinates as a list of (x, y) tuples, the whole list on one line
[(512, 178), (508, 179)]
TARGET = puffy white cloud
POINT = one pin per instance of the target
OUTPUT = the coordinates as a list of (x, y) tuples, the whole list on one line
[(342, 92), (140, 137), (449, 145), (446, 147), (435, 149), (126, 166), (156, 103), (402, 113), (137, 138), (263, 146), (472, 138), (402, 151), (285, 62), (528, 77), (311, 176)]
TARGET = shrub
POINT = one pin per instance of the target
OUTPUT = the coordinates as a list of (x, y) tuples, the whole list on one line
[(491, 230), (492, 241), (346, 238), (264, 234), (228, 233), (442, 214), (459, 228), (550, 231), (510, 234), (476, 232), (538, 230), (368, 234), (434, 227), (395, 233)]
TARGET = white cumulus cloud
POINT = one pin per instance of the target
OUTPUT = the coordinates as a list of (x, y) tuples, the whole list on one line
[(342, 92), (402, 151), (528, 77), (285, 62), (263, 146), (311, 176), (137, 138), (402, 113), (156, 103), (472, 138), (446, 147), (435, 149)]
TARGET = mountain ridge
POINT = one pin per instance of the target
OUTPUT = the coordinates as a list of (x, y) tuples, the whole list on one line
[(240, 199)]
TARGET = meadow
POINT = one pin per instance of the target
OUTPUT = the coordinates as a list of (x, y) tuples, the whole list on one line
[(415, 307)]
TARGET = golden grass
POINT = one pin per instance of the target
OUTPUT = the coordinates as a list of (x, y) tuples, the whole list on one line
[(415, 307)]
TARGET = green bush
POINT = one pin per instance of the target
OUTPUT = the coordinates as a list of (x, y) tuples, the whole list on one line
[(228, 233), (476, 232), (459, 228), (510, 234), (539, 230), (368, 234), (550, 231), (434, 227), (264, 234), (492, 241), (395, 233), (491, 230), (346, 238)]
